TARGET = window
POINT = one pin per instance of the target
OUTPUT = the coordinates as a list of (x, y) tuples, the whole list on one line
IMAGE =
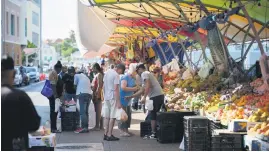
[(37, 2), (25, 27), (12, 27), (35, 38), (7, 22), (18, 26), (35, 18)]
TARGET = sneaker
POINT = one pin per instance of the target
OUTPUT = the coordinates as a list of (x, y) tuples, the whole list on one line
[(81, 130), (55, 131), (112, 138), (105, 137), (153, 136)]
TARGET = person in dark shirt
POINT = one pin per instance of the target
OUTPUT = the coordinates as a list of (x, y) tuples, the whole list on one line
[(18, 114), (69, 89)]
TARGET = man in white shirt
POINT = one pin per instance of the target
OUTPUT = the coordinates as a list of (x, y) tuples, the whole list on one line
[(112, 99), (83, 91)]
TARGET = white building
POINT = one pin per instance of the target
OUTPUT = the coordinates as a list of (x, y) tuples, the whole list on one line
[(33, 19), (49, 55), (13, 14)]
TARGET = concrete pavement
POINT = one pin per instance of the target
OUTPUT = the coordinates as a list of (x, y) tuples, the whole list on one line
[(69, 141)]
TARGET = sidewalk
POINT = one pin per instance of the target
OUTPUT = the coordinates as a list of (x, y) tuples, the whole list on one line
[(94, 140)]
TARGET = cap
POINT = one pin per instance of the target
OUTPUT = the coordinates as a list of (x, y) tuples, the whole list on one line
[(7, 63)]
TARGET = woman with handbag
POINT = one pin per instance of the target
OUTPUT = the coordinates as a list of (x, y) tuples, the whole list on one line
[(54, 78)]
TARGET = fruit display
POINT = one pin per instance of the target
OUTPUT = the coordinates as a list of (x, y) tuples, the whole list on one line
[(259, 116), (261, 129)]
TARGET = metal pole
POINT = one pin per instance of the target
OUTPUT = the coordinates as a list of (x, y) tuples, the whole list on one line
[(256, 35), (41, 62)]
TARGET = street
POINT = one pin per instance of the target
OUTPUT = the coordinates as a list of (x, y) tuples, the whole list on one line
[(93, 141), (41, 103)]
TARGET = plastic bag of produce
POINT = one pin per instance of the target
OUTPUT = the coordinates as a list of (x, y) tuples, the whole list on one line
[(57, 104), (181, 146), (204, 71), (149, 105), (121, 115), (187, 74)]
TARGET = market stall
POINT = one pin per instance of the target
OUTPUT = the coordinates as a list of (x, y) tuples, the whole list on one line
[(230, 104)]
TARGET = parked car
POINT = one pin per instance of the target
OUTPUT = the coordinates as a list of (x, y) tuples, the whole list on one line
[(21, 74), (18, 78), (33, 73)]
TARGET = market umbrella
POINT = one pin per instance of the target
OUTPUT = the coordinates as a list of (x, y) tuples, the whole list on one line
[(93, 29)]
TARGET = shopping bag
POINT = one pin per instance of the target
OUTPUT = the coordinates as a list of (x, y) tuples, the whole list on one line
[(121, 115), (57, 104), (47, 89), (149, 105)]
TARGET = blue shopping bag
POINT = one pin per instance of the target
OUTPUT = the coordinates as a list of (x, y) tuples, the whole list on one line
[(47, 89)]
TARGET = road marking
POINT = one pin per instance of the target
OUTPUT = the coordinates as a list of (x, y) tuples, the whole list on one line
[(80, 147)]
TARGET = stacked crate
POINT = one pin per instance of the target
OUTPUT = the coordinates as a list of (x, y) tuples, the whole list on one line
[(226, 142), (69, 121), (166, 127), (196, 133), (145, 128)]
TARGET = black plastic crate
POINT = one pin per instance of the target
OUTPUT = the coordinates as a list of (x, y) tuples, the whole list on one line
[(196, 137), (69, 121), (196, 147), (145, 128), (226, 138), (226, 149), (166, 133), (227, 145), (41, 148), (174, 118), (195, 122)]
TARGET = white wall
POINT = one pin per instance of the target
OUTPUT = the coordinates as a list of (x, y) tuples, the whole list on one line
[(32, 7)]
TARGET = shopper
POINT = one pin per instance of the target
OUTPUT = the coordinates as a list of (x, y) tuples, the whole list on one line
[(127, 88), (112, 101), (90, 73), (152, 88), (69, 89), (84, 93), (56, 84), (97, 95), (157, 73), (18, 113)]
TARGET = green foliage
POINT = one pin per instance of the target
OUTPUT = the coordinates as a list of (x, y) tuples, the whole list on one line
[(67, 46), (31, 45)]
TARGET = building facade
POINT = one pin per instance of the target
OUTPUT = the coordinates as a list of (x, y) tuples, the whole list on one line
[(13, 25), (33, 28)]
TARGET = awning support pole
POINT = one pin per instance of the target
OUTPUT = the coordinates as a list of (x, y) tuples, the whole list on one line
[(256, 35)]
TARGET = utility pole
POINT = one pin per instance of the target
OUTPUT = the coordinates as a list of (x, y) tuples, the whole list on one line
[(41, 42)]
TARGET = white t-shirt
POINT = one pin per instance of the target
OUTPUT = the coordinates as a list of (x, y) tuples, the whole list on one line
[(83, 84), (155, 87), (111, 78)]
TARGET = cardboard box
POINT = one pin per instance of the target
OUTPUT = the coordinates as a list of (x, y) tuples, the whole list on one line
[(39, 141), (238, 125)]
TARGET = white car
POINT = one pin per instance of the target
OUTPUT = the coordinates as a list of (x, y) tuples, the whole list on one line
[(18, 78), (33, 73)]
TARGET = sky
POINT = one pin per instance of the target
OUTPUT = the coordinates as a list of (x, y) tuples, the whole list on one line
[(58, 18)]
